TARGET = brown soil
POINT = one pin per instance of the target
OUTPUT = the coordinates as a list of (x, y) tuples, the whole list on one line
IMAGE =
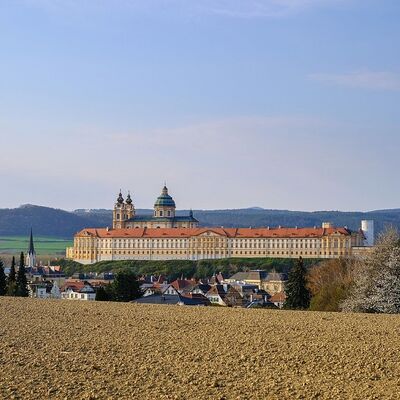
[(80, 350)]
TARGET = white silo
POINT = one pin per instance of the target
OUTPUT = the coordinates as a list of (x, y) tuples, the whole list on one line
[(367, 227)]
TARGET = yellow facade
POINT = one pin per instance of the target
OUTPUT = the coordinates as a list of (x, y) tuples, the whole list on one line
[(208, 243)]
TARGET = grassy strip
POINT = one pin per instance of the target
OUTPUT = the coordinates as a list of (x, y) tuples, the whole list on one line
[(44, 245)]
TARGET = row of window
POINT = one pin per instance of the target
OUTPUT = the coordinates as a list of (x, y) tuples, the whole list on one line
[(234, 241), (215, 253), (161, 213)]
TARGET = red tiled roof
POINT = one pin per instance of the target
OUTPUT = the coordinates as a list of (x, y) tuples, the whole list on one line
[(159, 284), (74, 284), (225, 232), (278, 297), (180, 284)]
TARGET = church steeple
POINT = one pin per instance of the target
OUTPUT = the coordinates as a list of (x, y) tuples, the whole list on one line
[(31, 255), (31, 246), (120, 199), (129, 207)]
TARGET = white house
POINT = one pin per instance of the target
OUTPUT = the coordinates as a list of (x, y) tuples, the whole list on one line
[(170, 289), (39, 291), (216, 295), (78, 290)]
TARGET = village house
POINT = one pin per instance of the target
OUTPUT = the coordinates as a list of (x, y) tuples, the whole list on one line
[(158, 289), (39, 290), (271, 282), (216, 295), (78, 290), (188, 299), (278, 299), (274, 283), (201, 288), (233, 298), (184, 285), (193, 299), (44, 290), (158, 298), (170, 290)]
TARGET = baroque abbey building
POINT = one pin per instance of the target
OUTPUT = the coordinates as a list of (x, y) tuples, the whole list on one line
[(165, 236)]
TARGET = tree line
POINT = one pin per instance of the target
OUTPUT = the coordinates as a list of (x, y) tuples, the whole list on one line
[(15, 284), (173, 269), (369, 283)]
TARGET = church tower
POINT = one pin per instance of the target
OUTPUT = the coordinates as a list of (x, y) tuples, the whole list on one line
[(31, 255), (129, 207), (123, 211), (118, 213), (164, 206)]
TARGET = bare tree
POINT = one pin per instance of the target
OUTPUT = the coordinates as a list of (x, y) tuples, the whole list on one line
[(329, 283)]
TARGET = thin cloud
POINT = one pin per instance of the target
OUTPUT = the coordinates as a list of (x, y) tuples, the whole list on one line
[(261, 8), (372, 80), (226, 8)]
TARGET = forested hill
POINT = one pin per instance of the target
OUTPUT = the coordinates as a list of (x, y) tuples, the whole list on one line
[(52, 222)]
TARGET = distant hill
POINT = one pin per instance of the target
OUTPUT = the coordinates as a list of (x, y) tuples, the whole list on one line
[(47, 221)]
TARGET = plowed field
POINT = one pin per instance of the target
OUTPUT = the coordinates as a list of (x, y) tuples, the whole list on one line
[(79, 350)]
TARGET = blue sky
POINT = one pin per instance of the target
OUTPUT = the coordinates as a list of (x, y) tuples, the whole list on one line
[(287, 104)]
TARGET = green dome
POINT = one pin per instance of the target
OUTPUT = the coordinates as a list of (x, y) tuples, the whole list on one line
[(164, 200)]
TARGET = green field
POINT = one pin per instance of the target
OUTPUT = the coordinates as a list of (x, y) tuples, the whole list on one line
[(43, 245)]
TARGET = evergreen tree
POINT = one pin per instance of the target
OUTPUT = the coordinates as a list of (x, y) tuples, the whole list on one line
[(11, 284), (21, 282), (12, 274), (125, 287), (297, 293), (204, 269), (101, 294), (3, 282)]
